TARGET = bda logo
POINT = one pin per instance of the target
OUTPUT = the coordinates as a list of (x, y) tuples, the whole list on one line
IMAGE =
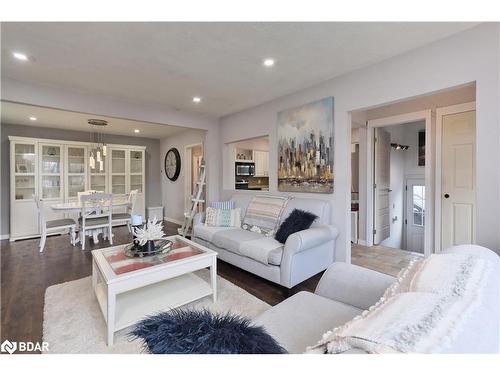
[(9, 347)]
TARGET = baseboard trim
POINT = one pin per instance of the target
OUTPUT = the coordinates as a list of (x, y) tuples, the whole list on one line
[(4, 236), (175, 221), (362, 242)]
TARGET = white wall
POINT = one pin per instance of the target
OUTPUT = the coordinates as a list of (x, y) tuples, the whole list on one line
[(172, 192), (410, 138), (466, 57), (260, 144)]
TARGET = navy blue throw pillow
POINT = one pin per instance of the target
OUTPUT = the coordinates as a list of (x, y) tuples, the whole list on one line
[(297, 220), (181, 331)]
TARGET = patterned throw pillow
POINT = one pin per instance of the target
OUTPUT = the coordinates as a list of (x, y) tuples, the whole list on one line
[(264, 213), (216, 217), (225, 205)]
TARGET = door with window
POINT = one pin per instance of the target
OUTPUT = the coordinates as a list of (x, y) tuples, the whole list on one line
[(415, 215)]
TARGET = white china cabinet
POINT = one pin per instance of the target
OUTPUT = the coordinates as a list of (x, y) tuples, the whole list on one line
[(58, 170)]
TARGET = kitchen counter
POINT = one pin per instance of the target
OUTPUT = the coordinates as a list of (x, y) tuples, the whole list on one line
[(263, 188)]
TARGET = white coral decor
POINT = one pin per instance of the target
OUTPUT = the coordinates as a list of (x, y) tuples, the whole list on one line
[(152, 230)]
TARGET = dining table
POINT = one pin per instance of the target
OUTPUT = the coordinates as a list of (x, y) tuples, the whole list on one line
[(76, 207)]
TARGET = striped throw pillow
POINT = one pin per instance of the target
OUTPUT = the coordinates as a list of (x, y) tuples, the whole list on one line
[(264, 213), (216, 217), (225, 205)]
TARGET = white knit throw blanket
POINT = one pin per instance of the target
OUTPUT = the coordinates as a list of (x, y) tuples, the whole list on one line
[(420, 313)]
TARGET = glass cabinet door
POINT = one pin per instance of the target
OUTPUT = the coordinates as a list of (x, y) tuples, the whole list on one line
[(98, 174), (118, 161), (136, 170), (24, 169), (50, 171), (76, 170), (118, 172)]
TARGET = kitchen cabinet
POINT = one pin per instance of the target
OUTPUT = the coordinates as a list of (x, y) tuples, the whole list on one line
[(261, 159)]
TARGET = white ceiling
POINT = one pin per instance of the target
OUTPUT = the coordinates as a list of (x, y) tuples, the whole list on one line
[(169, 63), (19, 114)]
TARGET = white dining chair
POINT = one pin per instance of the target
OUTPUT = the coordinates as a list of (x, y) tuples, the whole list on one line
[(86, 192), (53, 226), (126, 217), (96, 214)]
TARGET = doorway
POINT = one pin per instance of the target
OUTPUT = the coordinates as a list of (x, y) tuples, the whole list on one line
[(193, 157), (399, 188), (421, 210)]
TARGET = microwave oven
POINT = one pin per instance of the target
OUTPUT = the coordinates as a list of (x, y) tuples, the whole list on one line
[(245, 169)]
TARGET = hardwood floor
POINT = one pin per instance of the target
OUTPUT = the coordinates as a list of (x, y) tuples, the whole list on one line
[(26, 274), (382, 259)]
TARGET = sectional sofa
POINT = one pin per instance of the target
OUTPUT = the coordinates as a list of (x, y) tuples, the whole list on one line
[(346, 290)]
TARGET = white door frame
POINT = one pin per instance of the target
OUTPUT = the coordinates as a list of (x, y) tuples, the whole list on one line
[(440, 112), (429, 174), (187, 170)]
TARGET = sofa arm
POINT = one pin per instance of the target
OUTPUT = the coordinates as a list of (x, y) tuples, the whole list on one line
[(199, 218), (353, 285), (309, 238)]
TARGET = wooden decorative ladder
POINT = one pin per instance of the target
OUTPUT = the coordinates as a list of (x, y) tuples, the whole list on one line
[(196, 199)]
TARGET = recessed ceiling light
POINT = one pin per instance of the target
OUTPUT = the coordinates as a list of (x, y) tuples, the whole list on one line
[(33, 118), (137, 131), (20, 56), (196, 99), (268, 62)]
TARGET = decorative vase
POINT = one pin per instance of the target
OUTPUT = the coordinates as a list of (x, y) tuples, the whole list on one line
[(149, 247)]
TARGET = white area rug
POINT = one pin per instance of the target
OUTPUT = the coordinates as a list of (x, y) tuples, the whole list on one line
[(73, 322)]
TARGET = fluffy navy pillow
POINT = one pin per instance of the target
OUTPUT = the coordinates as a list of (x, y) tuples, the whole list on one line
[(297, 220), (181, 331)]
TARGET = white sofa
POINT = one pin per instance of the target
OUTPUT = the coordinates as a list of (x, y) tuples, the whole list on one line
[(304, 254), (346, 290)]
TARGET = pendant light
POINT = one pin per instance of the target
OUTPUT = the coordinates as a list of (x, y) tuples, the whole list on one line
[(97, 137)]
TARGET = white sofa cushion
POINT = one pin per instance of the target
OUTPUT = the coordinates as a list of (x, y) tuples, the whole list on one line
[(265, 250), (320, 208), (299, 320), (232, 240), (207, 233)]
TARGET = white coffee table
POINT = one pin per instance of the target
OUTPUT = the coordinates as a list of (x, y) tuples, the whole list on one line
[(129, 289)]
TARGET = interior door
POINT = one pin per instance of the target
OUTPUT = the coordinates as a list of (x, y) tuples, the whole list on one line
[(458, 176), (415, 215), (382, 179)]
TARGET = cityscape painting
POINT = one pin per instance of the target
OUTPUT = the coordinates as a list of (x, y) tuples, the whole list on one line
[(305, 148)]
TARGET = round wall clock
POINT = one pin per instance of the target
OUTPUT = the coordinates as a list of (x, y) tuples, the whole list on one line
[(172, 164)]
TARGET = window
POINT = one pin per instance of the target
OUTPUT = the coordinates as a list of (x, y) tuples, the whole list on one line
[(419, 205)]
